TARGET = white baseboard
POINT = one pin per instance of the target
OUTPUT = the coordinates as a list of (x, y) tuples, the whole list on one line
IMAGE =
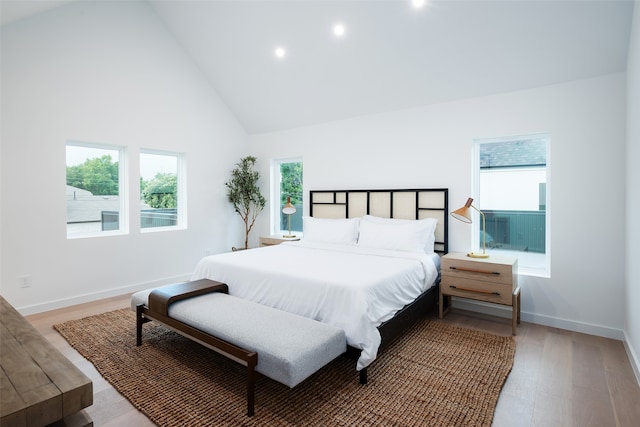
[(476, 306), (80, 299), (554, 322), (633, 357)]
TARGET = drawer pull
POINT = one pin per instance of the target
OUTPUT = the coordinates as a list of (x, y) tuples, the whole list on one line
[(475, 290), (471, 270)]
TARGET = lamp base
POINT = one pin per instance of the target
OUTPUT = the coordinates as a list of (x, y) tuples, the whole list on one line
[(289, 236), (475, 255)]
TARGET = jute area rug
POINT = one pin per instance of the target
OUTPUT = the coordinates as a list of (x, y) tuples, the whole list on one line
[(435, 375)]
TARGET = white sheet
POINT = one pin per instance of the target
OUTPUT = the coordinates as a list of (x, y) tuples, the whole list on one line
[(355, 289)]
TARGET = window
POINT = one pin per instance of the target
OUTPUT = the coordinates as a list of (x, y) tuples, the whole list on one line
[(161, 190), (286, 178), (512, 180), (96, 197)]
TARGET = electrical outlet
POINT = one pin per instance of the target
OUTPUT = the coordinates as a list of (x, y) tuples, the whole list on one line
[(207, 252), (25, 281)]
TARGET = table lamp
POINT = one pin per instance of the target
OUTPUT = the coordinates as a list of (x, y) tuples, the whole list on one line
[(289, 210), (464, 214)]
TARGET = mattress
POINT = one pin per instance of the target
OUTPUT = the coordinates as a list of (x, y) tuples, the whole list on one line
[(350, 287)]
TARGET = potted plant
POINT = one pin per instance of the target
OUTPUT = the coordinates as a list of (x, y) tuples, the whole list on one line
[(244, 194)]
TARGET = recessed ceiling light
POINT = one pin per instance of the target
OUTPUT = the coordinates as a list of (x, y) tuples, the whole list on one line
[(280, 52), (418, 3), (338, 30)]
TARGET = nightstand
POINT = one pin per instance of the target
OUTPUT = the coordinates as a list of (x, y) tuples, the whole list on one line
[(493, 279), (275, 239)]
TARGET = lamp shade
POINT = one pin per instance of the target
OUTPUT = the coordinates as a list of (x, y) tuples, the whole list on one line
[(288, 209), (464, 213)]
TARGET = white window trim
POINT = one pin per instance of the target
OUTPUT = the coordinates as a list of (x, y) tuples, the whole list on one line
[(181, 173), (475, 226), (123, 190)]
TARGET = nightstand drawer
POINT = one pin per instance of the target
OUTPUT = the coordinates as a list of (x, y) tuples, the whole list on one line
[(477, 289), (494, 270)]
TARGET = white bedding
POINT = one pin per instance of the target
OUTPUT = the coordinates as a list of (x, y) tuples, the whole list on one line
[(353, 288)]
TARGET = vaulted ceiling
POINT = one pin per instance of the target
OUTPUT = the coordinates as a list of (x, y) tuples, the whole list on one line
[(392, 56)]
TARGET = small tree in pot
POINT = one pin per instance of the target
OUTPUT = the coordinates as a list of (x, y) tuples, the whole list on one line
[(244, 194)]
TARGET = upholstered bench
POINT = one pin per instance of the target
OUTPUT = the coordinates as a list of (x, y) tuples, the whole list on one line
[(282, 346)]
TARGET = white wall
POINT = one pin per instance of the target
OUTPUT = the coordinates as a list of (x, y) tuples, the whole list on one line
[(632, 320), (105, 72), (432, 146), (109, 72)]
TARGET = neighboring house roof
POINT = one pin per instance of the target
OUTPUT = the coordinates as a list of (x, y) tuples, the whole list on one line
[(83, 206), (527, 152), (71, 191)]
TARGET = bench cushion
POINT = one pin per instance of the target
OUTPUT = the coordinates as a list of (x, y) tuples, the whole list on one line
[(290, 347)]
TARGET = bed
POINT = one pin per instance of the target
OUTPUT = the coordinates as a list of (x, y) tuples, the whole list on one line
[(368, 263)]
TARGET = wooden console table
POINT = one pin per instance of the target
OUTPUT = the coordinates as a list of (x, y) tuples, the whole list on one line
[(38, 385)]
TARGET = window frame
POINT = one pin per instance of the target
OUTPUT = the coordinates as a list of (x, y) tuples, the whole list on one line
[(523, 266), (275, 193), (123, 189), (181, 188)]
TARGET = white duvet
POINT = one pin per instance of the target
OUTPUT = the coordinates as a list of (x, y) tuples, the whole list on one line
[(353, 288)]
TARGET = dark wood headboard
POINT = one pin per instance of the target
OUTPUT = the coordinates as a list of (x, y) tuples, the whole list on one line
[(398, 203)]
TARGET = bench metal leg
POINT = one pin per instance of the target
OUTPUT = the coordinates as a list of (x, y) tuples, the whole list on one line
[(139, 321), (251, 382), (363, 376)]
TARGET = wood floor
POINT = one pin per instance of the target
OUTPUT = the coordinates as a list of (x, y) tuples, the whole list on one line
[(559, 378)]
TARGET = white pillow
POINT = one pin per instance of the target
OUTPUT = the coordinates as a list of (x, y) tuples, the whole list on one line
[(429, 223), (339, 231)]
